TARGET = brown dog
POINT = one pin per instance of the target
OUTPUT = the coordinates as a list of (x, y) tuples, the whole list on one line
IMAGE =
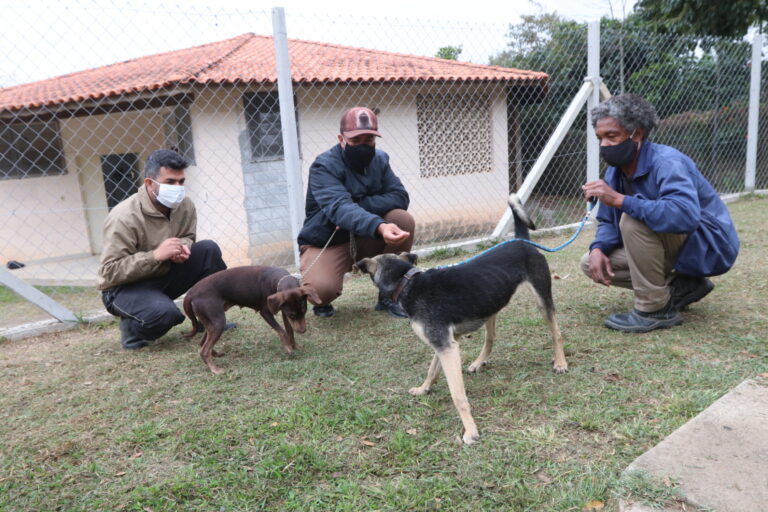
[(265, 289)]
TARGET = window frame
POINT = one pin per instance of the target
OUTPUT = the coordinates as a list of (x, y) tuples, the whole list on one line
[(178, 132), (12, 136), (267, 103)]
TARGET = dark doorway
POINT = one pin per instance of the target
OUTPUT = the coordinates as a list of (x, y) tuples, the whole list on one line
[(121, 176)]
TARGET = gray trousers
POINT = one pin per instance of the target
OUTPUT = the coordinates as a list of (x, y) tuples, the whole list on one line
[(644, 264)]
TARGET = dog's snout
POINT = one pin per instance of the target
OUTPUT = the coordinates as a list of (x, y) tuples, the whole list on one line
[(299, 324)]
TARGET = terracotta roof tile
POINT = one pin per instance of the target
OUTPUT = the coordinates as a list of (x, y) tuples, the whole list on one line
[(250, 58)]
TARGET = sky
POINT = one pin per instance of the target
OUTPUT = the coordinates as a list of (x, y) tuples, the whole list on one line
[(44, 38)]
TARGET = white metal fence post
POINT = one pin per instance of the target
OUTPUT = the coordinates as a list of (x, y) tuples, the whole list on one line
[(593, 73), (525, 190), (754, 109), (288, 122)]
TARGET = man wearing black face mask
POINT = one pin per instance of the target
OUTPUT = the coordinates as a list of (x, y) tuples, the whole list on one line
[(662, 229), (357, 206)]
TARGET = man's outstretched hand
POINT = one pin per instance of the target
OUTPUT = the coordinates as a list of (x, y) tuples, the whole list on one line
[(391, 233)]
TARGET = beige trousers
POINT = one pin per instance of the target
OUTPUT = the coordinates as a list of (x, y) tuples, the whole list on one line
[(644, 264), (326, 274)]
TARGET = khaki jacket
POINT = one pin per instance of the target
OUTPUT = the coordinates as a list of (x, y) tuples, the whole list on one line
[(132, 230)]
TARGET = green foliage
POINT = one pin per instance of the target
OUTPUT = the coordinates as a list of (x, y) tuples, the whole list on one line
[(557, 46), (711, 17), (449, 52), (681, 75)]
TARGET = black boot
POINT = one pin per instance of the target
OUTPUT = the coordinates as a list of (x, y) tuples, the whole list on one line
[(640, 321), (128, 339), (689, 289), (324, 311)]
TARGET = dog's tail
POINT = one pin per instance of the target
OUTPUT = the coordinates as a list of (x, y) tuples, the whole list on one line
[(522, 222), (190, 312)]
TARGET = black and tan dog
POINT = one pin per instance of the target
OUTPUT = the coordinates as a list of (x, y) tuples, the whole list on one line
[(265, 289), (445, 303)]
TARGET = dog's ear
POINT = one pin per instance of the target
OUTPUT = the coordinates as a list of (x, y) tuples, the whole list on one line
[(409, 257), (274, 302), (367, 265), (310, 294)]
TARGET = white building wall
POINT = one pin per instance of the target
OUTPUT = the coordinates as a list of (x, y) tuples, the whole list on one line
[(439, 204), (215, 182), (58, 216)]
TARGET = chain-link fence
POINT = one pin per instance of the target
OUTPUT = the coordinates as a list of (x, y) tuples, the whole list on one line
[(461, 131)]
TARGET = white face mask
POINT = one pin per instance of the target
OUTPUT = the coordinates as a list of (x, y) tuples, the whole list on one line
[(170, 195)]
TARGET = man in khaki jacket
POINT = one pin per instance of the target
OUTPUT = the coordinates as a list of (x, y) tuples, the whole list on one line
[(150, 256)]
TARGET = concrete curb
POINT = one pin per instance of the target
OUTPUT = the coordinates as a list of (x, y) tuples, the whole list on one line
[(31, 329), (719, 456)]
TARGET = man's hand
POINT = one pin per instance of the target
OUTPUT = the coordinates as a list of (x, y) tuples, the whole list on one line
[(391, 233), (171, 249), (184, 256), (600, 267), (605, 194)]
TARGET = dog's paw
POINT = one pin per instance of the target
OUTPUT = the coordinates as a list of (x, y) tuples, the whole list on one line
[(560, 368), (216, 370), (470, 438), (475, 367), (421, 390)]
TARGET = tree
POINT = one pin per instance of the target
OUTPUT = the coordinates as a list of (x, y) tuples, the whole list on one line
[(698, 81), (704, 17), (449, 52)]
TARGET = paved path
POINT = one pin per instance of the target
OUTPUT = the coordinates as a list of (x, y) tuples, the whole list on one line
[(720, 457)]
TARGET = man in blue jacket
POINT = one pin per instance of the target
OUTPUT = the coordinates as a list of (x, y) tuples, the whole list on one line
[(662, 229), (355, 208)]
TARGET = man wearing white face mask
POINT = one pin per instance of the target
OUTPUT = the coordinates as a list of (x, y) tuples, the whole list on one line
[(662, 229), (150, 256)]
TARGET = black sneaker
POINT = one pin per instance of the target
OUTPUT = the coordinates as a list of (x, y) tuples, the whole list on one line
[(640, 321), (391, 307), (128, 339), (324, 311), (227, 326), (689, 289)]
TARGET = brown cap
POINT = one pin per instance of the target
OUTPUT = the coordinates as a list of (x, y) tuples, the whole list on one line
[(357, 121)]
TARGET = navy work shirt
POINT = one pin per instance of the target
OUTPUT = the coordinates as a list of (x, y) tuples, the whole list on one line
[(670, 195), (337, 195)]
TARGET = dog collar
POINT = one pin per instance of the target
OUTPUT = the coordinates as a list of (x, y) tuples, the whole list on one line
[(401, 285)]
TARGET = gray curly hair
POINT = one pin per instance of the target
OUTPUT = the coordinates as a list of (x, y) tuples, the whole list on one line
[(630, 110)]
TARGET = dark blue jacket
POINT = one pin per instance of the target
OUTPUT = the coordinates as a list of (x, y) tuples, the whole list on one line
[(354, 201), (670, 195)]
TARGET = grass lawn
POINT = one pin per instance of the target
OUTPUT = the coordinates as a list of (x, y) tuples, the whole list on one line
[(15, 310), (86, 426)]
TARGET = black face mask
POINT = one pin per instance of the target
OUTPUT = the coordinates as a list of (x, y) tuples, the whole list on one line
[(621, 154), (358, 157)]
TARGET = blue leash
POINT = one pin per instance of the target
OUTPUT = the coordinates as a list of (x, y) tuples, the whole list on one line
[(590, 205)]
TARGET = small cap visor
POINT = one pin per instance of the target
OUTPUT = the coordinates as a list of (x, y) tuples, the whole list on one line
[(355, 133)]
